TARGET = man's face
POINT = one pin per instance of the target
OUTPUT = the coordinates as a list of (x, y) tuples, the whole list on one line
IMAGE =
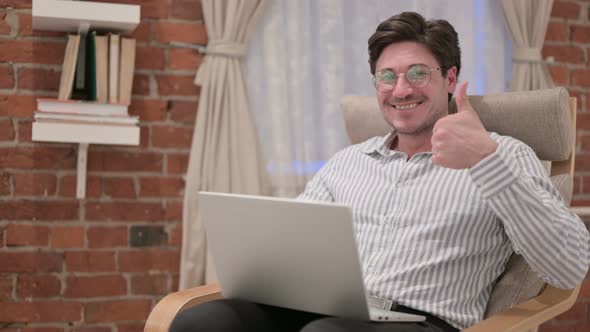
[(411, 110)]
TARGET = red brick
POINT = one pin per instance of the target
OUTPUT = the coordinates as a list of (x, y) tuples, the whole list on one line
[(120, 161), (46, 311), (5, 186), (172, 137), (90, 261), (130, 327), (18, 4), (142, 32), (173, 211), (119, 188), (116, 311), (184, 59), (38, 158), (6, 286), (560, 75), (564, 53), (141, 85), (177, 163), (107, 237), (150, 58), (124, 211), (187, 10), (25, 131), (149, 260), (556, 31), (560, 326), (30, 262), (67, 186), (580, 33), (38, 79), (67, 237), (29, 51), (149, 284), (581, 77), (39, 210), (183, 111), (190, 33), (161, 187), (144, 137), (18, 105), (6, 129), (34, 184), (175, 236), (38, 286), (148, 110), (95, 286), (7, 74), (27, 235), (176, 85), (565, 9)]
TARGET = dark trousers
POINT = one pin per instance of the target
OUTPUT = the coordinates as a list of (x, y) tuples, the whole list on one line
[(241, 316)]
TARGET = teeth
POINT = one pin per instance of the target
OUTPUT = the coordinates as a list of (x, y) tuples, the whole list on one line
[(405, 107)]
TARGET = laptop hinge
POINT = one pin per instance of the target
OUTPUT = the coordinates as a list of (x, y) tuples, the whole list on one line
[(380, 303)]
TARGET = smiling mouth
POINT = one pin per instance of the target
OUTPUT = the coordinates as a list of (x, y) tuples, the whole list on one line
[(406, 106)]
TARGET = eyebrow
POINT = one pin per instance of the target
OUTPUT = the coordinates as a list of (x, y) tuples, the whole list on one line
[(413, 64)]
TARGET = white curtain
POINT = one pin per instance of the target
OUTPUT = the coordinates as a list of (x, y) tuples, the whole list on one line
[(309, 53), (225, 154), (527, 21)]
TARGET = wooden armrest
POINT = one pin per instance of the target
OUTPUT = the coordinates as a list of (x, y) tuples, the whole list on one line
[(167, 308), (529, 314)]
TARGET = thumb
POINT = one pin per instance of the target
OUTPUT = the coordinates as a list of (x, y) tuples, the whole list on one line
[(461, 98)]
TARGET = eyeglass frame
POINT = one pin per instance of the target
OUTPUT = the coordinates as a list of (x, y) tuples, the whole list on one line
[(430, 70)]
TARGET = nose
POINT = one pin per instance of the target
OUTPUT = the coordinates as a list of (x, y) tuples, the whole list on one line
[(402, 88)]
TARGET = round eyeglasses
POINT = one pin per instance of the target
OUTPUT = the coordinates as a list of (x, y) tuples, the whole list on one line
[(417, 76)]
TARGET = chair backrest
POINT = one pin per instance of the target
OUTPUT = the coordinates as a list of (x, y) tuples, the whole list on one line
[(543, 119)]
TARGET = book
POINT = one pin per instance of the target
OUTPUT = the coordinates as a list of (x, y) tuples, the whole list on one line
[(113, 68), (102, 64), (81, 64), (92, 133), (69, 67), (80, 107), (90, 70), (126, 69), (83, 118)]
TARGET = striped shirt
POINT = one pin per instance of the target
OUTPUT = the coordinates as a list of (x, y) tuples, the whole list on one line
[(435, 239)]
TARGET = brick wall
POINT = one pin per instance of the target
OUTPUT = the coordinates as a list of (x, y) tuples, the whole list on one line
[(98, 264), (568, 41)]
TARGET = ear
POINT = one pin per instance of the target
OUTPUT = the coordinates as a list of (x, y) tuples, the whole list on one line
[(451, 79)]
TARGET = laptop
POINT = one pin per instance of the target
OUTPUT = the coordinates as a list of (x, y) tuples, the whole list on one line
[(293, 254)]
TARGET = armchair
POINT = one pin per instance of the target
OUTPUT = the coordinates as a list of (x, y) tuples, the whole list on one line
[(520, 301)]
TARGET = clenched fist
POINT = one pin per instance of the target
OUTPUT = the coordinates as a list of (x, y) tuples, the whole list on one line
[(460, 140)]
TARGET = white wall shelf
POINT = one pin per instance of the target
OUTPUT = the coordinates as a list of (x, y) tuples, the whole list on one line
[(81, 17), (75, 16), (84, 134)]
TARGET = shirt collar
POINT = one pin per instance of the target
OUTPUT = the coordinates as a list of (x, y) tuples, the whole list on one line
[(380, 144)]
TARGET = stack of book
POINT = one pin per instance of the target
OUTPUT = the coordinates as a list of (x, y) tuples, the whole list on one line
[(94, 92)]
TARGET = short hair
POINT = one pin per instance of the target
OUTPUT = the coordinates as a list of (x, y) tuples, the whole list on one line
[(439, 37)]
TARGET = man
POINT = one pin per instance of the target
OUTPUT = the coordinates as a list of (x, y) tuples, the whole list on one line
[(439, 204)]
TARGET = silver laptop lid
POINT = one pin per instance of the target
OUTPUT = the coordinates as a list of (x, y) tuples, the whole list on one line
[(293, 254)]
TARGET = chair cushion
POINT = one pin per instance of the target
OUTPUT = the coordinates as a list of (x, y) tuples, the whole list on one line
[(529, 116)]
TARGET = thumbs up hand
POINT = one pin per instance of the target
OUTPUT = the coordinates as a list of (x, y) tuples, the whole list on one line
[(460, 140)]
